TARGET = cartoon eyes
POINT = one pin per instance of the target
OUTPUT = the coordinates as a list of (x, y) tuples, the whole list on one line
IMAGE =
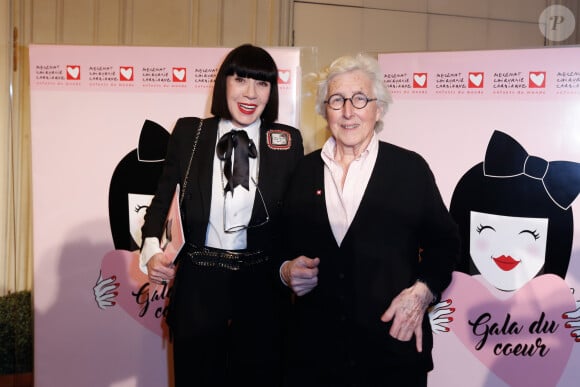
[(481, 227), (534, 233), (139, 207)]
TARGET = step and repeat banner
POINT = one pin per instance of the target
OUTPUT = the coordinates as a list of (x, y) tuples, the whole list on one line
[(501, 132), (101, 118)]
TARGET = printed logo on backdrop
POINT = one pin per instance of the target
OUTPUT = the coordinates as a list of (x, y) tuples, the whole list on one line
[(406, 83), (284, 79), (204, 77), (126, 73), (49, 74), (73, 72), (128, 77), (475, 80), (475, 83), (509, 304), (117, 77), (449, 81), (98, 74), (537, 80), (162, 77), (509, 82), (179, 74), (567, 82), (420, 80)]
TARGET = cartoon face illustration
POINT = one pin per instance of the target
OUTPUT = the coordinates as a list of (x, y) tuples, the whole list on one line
[(515, 219), (514, 215), (131, 190), (507, 250)]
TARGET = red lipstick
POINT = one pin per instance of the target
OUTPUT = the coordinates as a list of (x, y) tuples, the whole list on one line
[(506, 263)]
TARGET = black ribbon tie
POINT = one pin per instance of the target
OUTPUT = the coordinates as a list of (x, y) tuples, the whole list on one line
[(238, 142)]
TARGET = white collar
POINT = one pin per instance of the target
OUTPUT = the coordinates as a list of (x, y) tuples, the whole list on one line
[(253, 129)]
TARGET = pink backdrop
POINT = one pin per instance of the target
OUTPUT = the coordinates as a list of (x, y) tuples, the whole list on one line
[(89, 105), (446, 107)]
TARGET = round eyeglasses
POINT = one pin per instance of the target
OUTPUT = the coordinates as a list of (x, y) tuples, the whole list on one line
[(358, 101)]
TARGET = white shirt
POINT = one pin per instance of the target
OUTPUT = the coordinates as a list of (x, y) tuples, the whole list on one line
[(236, 208), (343, 202)]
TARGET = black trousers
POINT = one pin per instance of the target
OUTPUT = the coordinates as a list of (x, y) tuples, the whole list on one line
[(226, 326)]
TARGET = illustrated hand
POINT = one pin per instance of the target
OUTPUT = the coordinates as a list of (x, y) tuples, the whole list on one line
[(574, 323), (301, 274), (438, 316), (407, 311), (160, 269), (105, 291)]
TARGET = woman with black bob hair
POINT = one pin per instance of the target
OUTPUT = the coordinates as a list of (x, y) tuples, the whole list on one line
[(233, 168), (246, 61)]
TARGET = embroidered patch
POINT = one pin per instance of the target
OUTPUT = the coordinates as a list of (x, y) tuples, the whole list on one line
[(279, 139)]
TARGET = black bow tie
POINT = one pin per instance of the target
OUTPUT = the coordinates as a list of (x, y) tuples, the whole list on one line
[(505, 157), (244, 148)]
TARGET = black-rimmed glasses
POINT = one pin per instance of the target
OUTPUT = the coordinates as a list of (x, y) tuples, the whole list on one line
[(358, 101), (233, 229)]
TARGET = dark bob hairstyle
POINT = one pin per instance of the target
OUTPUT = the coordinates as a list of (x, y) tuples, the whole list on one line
[(246, 61)]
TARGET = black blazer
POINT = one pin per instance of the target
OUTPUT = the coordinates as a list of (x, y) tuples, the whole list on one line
[(400, 213), (276, 163)]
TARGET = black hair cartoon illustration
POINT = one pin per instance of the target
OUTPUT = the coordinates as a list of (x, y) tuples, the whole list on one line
[(132, 187)]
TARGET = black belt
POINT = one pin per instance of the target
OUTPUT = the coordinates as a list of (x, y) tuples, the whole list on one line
[(227, 259)]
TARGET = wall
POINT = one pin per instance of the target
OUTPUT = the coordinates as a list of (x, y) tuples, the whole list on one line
[(154, 23), (417, 25)]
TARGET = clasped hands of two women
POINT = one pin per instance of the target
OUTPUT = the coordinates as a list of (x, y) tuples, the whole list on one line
[(406, 311)]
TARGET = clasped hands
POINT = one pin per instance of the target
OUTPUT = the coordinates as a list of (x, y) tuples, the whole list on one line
[(406, 311), (160, 269)]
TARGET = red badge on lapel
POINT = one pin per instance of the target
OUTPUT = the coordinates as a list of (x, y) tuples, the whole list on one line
[(278, 139)]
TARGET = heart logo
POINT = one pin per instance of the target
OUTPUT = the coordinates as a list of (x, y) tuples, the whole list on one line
[(73, 72), (537, 79), (126, 73), (475, 79), (419, 80), (283, 76), (520, 338), (178, 74), (145, 303)]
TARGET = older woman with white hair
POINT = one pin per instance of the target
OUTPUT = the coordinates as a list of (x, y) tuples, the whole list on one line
[(370, 245)]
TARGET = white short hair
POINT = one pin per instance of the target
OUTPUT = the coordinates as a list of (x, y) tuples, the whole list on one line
[(366, 64)]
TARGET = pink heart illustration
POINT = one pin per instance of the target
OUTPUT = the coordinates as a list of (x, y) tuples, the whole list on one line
[(143, 302), (521, 337)]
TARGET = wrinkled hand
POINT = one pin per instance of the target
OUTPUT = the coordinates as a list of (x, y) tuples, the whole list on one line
[(301, 274), (407, 311), (160, 269), (439, 316), (574, 323), (105, 291)]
